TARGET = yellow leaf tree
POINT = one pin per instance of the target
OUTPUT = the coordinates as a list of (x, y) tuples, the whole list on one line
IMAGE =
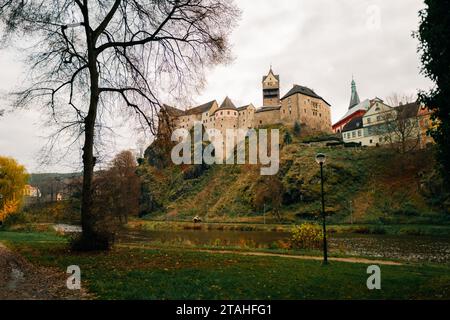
[(13, 178)]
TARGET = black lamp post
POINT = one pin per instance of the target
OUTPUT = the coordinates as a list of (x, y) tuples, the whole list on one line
[(320, 159)]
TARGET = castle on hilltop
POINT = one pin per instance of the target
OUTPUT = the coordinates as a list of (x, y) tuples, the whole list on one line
[(300, 104)]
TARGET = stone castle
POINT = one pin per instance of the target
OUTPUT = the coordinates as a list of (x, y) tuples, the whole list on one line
[(300, 104)]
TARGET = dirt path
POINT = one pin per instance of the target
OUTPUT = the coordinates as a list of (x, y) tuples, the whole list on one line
[(19, 280), (350, 260), (267, 254)]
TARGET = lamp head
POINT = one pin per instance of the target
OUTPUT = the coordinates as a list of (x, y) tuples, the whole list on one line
[(320, 158)]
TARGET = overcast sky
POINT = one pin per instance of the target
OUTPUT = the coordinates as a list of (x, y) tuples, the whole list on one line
[(316, 43)]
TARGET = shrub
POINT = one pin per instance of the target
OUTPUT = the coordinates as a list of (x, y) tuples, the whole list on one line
[(306, 236), (411, 232), (287, 139), (360, 230), (297, 129), (377, 230), (407, 209)]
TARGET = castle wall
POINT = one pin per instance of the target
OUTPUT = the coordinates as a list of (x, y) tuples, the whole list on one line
[(267, 117), (246, 117), (226, 119), (187, 121), (312, 112)]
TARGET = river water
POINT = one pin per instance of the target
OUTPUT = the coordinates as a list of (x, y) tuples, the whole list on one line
[(408, 248)]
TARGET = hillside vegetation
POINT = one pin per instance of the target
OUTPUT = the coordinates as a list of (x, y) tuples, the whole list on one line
[(368, 185)]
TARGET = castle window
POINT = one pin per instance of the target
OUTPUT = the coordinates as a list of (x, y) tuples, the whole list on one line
[(228, 112), (221, 113), (260, 121)]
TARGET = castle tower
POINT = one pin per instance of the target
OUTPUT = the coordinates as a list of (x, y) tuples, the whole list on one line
[(354, 99), (271, 89)]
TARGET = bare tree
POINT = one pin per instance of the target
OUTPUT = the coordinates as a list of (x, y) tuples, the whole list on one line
[(93, 61), (396, 99), (401, 124)]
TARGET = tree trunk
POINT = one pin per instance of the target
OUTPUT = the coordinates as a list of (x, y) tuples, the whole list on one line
[(90, 239)]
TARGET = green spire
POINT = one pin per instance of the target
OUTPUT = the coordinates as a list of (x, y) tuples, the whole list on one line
[(354, 100)]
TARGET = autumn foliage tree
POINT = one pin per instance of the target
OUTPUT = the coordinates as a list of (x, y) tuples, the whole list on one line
[(116, 195), (95, 61), (13, 178), (117, 190), (269, 192)]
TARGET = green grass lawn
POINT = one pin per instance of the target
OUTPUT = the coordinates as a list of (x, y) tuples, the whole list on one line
[(127, 273)]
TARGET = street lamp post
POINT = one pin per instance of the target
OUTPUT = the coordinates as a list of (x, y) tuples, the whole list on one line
[(320, 159)]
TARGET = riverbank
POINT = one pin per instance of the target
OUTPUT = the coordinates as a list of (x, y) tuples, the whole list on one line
[(128, 272), (420, 244), (390, 229)]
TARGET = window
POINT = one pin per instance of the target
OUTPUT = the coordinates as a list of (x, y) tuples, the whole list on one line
[(221, 113), (371, 141), (353, 134), (381, 139), (369, 120), (260, 121), (378, 118), (359, 133), (305, 110), (228, 112)]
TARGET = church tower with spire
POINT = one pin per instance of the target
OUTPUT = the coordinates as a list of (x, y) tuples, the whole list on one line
[(271, 89), (354, 99)]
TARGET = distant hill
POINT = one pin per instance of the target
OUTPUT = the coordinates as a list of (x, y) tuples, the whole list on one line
[(41, 178), (369, 185)]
